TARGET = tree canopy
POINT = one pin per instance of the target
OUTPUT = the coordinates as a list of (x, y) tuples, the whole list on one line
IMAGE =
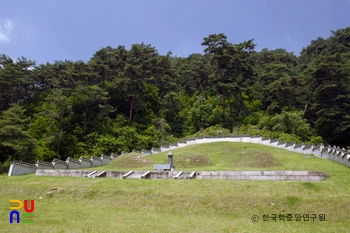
[(124, 99)]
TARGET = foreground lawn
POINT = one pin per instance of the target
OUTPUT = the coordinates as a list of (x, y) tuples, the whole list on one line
[(65, 204)]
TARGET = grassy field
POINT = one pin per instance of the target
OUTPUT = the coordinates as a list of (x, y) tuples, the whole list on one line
[(65, 204)]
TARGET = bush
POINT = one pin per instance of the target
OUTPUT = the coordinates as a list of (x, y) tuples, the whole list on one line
[(215, 130), (316, 140), (291, 123), (4, 167)]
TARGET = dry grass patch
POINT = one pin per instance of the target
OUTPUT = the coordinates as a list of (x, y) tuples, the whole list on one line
[(131, 160), (251, 158), (191, 160)]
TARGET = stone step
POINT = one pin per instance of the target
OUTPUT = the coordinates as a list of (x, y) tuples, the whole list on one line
[(92, 174), (101, 174)]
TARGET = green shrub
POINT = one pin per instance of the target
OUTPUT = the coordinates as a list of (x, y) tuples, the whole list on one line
[(4, 167), (215, 130)]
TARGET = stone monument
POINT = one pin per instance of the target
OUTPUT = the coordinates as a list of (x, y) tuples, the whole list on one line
[(166, 167)]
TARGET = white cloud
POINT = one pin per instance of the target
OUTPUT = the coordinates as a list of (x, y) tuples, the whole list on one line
[(6, 27)]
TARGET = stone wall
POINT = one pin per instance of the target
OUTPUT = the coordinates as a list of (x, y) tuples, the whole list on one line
[(21, 168), (95, 161), (106, 159), (44, 165), (85, 162), (60, 164), (18, 168), (73, 163)]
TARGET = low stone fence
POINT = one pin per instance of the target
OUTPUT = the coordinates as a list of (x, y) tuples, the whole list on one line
[(201, 175)]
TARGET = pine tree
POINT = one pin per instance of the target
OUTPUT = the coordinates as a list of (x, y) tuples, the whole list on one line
[(15, 141)]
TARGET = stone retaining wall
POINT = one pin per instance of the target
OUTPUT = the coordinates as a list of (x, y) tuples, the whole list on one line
[(263, 175), (201, 175), (73, 173)]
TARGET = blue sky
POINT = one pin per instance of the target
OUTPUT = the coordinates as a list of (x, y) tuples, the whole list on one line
[(48, 30)]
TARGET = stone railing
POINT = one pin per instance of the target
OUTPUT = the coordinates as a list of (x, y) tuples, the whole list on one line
[(339, 155)]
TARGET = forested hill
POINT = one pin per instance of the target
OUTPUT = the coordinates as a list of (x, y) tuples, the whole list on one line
[(132, 99)]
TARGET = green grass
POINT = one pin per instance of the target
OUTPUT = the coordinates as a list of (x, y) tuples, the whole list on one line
[(66, 204), (129, 160)]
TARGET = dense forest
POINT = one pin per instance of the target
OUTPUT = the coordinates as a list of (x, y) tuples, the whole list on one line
[(137, 99)]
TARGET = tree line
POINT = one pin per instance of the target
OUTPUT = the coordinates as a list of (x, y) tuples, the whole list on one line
[(137, 99)]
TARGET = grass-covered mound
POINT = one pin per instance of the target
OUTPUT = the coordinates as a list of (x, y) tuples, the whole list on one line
[(219, 156), (251, 158), (131, 160), (193, 159), (228, 156)]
